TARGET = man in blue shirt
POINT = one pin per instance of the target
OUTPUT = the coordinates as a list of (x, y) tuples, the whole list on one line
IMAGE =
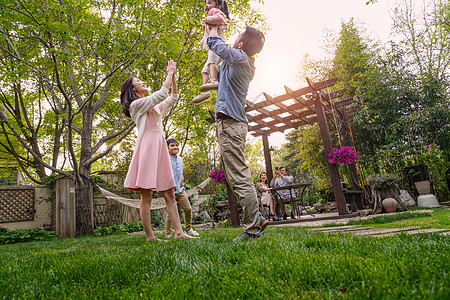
[(280, 179), (236, 72), (180, 193)]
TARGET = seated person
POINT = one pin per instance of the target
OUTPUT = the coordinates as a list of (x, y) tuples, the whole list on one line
[(280, 179), (265, 196)]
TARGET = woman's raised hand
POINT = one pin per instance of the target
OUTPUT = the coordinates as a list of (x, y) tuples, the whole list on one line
[(171, 67)]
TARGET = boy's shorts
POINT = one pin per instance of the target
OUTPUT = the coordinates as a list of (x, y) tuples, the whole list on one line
[(213, 58)]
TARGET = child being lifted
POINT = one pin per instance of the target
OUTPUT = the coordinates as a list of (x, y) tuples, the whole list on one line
[(217, 13)]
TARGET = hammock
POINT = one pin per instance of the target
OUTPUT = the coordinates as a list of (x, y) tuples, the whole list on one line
[(157, 203)]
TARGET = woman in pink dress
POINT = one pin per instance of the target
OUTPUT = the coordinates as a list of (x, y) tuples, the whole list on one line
[(150, 168)]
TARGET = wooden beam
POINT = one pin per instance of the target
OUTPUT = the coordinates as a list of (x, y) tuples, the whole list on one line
[(285, 108), (267, 158), (259, 131), (303, 91), (288, 121), (233, 207), (307, 104), (332, 168)]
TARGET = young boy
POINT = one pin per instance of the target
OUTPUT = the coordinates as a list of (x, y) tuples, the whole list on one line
[(236, 72), (180, 193)]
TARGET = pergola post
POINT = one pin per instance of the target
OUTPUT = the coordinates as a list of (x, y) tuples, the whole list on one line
[(267, 157), (232, 205), (332, 168)]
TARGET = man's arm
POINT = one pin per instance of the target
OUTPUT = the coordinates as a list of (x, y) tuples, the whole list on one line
[(224, 51)]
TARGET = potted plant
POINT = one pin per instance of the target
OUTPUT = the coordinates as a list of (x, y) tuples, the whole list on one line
[(344, 155)]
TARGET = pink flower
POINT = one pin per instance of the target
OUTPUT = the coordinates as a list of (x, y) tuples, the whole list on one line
[(343, 155), (218, 175)]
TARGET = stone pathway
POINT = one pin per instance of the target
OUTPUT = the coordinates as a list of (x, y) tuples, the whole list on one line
[(379, 232)]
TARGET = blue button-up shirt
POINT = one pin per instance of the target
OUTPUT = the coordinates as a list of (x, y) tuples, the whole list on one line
[(177, 168), (283, 181), (236, 72)]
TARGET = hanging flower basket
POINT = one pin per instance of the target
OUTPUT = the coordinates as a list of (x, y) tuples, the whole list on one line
[(344, 155), (218, 175)]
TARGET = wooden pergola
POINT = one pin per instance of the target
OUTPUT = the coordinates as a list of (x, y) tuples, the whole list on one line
[(305, 106)]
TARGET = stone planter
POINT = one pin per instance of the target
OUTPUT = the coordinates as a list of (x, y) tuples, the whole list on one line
[(423, 187), (428, 200)]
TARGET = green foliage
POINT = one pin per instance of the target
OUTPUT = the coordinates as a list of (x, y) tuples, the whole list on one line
[(50, 179), (62, 66), (224, 224), (379, 181), (254, 155), (402, 90), (19, 235), (119, 229), (3, 229)]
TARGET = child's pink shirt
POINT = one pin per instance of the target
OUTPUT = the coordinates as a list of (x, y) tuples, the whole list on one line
[(215, 17)]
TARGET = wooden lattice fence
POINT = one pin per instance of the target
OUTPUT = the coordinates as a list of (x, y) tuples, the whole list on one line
[(17, 204)]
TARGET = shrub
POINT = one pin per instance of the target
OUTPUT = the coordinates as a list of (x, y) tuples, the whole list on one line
[(119, 229), (382, 181), (20, 235)]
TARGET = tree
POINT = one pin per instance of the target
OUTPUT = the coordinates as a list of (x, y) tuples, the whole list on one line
[(62, 63)]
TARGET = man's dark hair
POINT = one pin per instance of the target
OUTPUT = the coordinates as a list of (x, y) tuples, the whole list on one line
[(253, 40), (170, 141), (282, 168)]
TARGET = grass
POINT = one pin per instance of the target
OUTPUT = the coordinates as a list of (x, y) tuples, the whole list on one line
[(437, 218), (288, 262)]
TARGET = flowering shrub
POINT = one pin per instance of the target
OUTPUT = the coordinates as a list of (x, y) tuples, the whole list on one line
[(219, 176), (3, 229), (344, 155)]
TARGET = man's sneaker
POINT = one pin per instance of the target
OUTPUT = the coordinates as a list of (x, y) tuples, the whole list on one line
[(246, 236), (210, 86), (263, 223), (192, 232), (202, 97)]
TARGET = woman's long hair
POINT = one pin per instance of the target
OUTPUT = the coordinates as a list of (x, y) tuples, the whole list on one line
[(127, 95), (261, 179)]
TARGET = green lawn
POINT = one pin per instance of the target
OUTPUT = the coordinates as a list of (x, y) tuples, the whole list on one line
[(287, 263), (438, 218)]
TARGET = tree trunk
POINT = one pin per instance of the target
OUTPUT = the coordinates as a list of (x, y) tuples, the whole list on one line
[(84, 205), (83, 208), (378, 195)]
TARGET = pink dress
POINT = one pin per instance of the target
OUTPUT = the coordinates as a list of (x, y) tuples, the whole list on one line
[(150, 166)]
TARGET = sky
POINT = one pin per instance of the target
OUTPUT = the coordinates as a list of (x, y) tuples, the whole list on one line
[(297, 28)]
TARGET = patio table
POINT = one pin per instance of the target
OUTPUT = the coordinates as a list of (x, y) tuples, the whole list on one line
[(295, 202)]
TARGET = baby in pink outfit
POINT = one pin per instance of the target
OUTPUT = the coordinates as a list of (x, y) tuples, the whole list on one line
[(217, 13)]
